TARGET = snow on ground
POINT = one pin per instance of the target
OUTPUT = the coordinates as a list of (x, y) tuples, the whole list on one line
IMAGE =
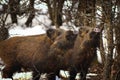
[(19, 31), (65, 74), (19, 76)]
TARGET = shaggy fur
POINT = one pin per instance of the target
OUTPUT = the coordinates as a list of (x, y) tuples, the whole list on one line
[(24, 52), (79, 58)]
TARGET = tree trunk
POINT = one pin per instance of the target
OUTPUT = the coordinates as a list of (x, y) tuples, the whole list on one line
[(58, 15), (32, 14), (3, 33), (107, 9), (55, 11), (108, 61), (14, 9), (116, 64), (102, 49)]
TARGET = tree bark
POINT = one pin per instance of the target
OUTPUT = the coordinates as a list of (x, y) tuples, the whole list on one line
[(55, 11), (107, 8), (32, 14), (14, 9), (3, 33), (116, 64)]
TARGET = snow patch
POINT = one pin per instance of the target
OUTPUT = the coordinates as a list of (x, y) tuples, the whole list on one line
[(19, 31)]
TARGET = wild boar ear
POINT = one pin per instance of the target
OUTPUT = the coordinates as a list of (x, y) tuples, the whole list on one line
[(70, 35), (50, 32)]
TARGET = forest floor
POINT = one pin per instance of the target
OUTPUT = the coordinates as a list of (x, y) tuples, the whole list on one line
[(95, 73)]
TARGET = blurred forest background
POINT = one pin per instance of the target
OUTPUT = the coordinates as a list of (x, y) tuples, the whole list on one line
[(74, 13)]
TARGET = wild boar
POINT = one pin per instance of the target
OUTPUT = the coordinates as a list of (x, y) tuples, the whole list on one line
[(18, 52)]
